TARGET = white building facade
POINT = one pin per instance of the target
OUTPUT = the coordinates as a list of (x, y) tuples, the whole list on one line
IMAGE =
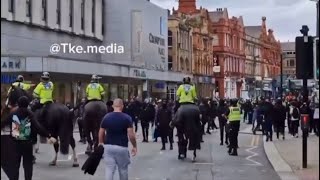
[(30, 27)]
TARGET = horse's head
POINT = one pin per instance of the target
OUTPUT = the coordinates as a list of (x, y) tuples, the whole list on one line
[(14, 94)]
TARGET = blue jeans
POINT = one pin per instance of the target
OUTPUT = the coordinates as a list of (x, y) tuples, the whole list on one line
[(116, 157)]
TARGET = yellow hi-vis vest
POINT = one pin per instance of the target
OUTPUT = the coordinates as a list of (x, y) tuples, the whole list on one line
[(234, 114), (94, 91), (44, 91), (186, 93), (21, 85)]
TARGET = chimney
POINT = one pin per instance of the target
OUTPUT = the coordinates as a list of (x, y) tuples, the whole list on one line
[(187, 6)]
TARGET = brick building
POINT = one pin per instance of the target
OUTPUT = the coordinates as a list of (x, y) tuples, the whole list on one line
[(268, 58), (179, 49), (229, 52), (202, 51)]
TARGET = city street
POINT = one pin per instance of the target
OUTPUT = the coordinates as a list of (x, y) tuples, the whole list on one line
[(213, 162)]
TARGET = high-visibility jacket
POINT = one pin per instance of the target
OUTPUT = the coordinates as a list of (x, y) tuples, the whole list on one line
[(21, 85), (44, 91), (186, 93), (94, 91), (235, 114)]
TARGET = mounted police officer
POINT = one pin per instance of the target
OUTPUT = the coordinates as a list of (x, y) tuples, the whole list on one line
[(188, 119), (44, 92), (95, 90), (21, 84), (234, 117)]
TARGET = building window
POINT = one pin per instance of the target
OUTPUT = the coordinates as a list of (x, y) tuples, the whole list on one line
[(58, 12), (187, 65), (170, 63), (292, 64), (181, 64), (28, 8), (93, 16), (11, 6), (44, 10), (82, 14), (103, 18), (169, 38), (71, 13), (162, 25)]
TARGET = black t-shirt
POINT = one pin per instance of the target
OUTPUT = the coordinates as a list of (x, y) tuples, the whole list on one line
[(116, 125)]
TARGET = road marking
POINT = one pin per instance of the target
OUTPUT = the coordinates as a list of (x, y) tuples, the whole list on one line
[(253, 140), (203, 163), (255, 163), (257, 141)]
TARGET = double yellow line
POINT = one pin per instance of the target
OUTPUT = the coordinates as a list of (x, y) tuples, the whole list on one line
[(255, 140)]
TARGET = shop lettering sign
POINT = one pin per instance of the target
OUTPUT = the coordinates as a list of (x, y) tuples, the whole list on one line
[(139, 73), (12, 64), (158, 41)]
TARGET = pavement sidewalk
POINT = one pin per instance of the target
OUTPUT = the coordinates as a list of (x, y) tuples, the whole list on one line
[(286, 157)]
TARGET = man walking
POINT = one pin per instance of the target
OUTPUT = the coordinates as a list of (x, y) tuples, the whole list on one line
[(114, 131)]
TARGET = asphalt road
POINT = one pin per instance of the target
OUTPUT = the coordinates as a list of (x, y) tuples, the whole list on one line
[(213, 162)]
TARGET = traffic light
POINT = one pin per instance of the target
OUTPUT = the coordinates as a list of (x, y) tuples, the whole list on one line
[(304, 58), (304, 121)]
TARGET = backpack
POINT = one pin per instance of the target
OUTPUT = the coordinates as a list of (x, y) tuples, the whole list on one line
[(21, 129), (295, 113)]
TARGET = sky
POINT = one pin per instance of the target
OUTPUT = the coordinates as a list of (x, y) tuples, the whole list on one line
[(285, 17)]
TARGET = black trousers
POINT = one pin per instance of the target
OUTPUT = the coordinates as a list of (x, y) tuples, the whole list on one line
[(222, 125), (81, 128), (245, 115), (24, 150), (234, 132), (295, 127), (8, 153), (164, 139), (145, 130)]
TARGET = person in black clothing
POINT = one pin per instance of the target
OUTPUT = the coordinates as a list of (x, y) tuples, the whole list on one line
[(109, 106), (147, 115), (204, 112), (80, 108), (268, 113), (163, 120), (22, 127), (213, 110), (130, 110), (222, 111), (280, 118)]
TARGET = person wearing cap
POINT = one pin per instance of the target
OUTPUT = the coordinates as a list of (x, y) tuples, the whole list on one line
[(19, 82), (44, 92), (94, 90), (234, 118)]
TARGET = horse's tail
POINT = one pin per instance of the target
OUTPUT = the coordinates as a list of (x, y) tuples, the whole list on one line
[(66, 132)]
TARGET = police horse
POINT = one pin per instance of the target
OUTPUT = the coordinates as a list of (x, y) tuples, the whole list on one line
[(187, 122), (94, 111), (58, 122)]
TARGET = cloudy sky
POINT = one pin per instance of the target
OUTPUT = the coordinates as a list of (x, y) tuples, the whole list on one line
[(285, 17)]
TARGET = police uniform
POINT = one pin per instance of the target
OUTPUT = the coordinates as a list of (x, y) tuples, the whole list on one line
[(44, 91), (234, 124), (186, 93), (94, 91)]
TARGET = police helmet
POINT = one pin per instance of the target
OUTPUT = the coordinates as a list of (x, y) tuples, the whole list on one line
[(20, 78), (95, 77), (187, 80), (45, 76)]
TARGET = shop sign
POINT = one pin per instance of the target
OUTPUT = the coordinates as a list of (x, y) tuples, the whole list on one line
[(205, 79), (139, 73), (8, 79), (216, 69), (158, 41), (12, 64)]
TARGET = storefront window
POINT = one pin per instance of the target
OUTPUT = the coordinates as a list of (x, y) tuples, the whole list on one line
[(113, 91), (125, 91)]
